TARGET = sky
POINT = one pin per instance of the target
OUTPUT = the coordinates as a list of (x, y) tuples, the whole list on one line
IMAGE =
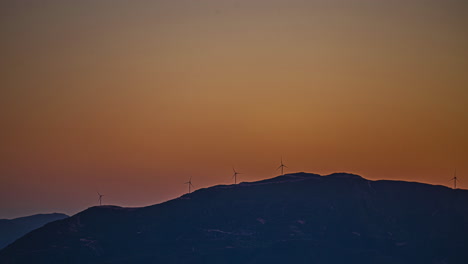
[(132, 98)]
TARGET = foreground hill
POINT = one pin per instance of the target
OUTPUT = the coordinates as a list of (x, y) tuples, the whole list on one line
[(12, 229), (296, 218)]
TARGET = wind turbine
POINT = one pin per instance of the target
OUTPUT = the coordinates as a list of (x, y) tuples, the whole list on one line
[(100, 198), (282, 166), (189, 184), (235, 175), (454, 179)]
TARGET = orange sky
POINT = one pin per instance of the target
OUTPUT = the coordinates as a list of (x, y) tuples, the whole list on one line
[(131, 98)]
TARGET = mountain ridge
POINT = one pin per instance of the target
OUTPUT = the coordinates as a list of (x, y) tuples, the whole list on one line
[(295, 217)]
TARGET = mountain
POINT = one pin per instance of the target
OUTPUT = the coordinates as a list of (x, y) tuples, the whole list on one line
[(12, 229), (295, 218)]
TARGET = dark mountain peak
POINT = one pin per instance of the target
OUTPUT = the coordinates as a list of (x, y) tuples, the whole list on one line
[(345, 175), (103, 208), (287, 178), (290, 177), (294, 177)]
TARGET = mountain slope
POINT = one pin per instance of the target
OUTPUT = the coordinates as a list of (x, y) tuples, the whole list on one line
[(12, 229), (295, 218)]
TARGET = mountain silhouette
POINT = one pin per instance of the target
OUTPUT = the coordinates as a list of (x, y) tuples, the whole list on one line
[(12, 229), (295, 218)]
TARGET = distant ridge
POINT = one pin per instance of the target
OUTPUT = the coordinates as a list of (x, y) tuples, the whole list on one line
[(12, 229), (294, 218)]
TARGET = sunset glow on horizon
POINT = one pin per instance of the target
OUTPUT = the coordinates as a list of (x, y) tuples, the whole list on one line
[(132, 98)]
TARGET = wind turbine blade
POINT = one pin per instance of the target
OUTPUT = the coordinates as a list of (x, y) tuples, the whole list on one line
[(285, 166), (279, 167)]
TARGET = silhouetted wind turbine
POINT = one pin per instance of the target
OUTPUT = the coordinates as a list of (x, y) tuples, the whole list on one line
[(235, 175), (282, 166), (454, 179), (189, 184), (100, 198)]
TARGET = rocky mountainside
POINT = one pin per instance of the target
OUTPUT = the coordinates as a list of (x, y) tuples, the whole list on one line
[(295, 218)]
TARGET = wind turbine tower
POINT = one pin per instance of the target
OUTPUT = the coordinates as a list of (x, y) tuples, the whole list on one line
[(189, 183), (455, 179), (100, 198), (282, 166), (235, 175)]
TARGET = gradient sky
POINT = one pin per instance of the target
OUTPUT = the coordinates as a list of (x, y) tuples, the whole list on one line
[(131, 98)]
